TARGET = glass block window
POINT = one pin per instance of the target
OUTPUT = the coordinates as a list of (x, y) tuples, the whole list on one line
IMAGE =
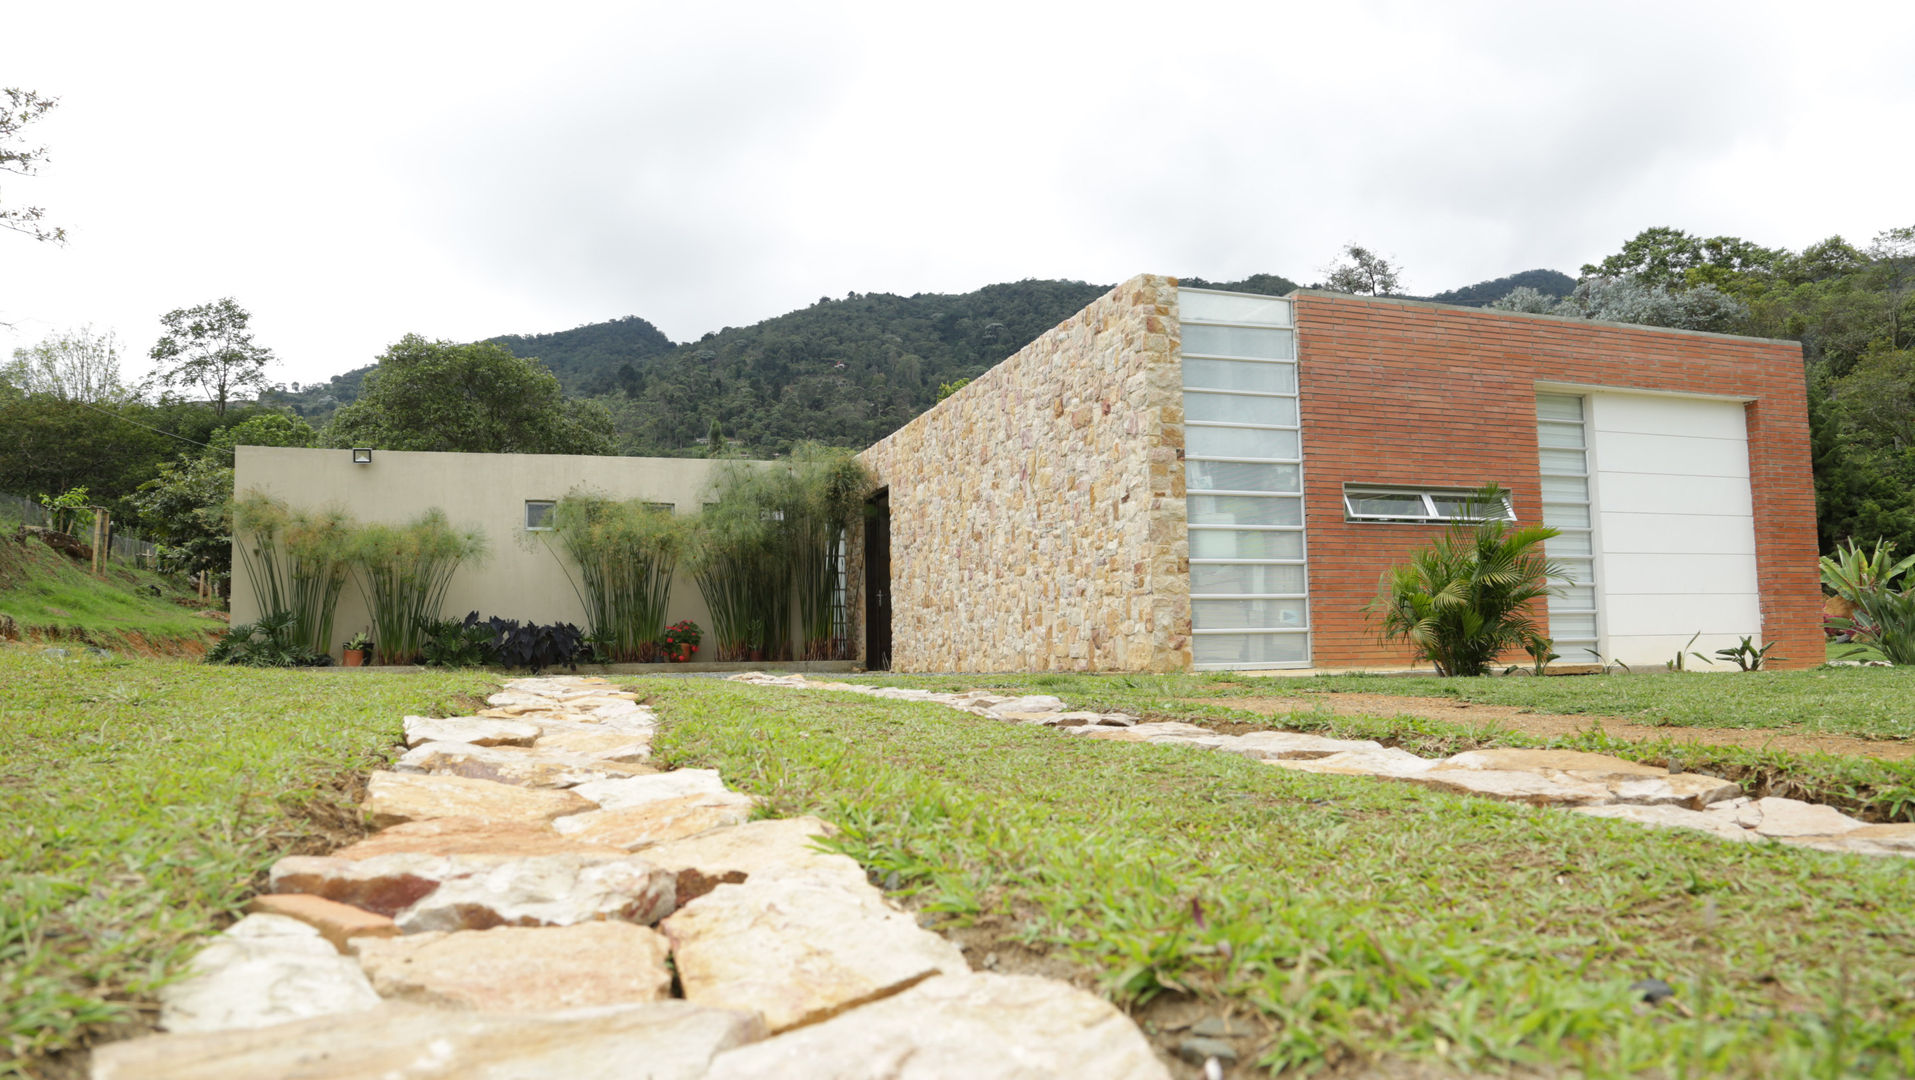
[(1243, 474), (538, 514)]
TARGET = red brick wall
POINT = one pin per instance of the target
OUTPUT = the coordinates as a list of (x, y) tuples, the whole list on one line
[(1396, 392)]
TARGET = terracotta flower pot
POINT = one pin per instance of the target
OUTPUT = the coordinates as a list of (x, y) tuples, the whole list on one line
[(355, 657)]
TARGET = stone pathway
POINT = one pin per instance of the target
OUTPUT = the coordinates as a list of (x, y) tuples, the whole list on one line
[(542, 901), (1594, 784)]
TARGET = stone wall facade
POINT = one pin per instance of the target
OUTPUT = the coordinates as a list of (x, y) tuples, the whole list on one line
[(1037, 515)]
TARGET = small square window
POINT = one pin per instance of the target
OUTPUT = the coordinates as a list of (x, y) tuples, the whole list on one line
[(664, 508), (538, 514)]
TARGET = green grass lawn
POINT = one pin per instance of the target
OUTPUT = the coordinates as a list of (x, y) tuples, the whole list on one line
[(143, 800), (1858, 702), (49, 595), (1868, 703), (1356, 920)]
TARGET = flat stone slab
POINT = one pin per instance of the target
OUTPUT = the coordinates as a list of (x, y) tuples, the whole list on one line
[(1265, 745), (382, 884), (264, 970), (601, 745), (1576, 764), (633, 827), (336, 922), (511, 969), (545, 890), (1671, 817), (638, 790), (507, 765), (1029, 703), (1390, 762), (493, 840), (780, 847), (1889, 839), (959, 1027), (1510, 786), (665, 1040), (799, 951), (476, 730), (394, 798), (1691, 790), (1785, 818)]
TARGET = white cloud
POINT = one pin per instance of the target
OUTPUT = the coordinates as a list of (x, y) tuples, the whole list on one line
[(354, 172)]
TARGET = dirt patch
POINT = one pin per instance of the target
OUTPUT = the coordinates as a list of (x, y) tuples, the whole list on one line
[(1557, 725)]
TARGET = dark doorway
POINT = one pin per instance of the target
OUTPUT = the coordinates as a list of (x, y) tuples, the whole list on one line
[(877, 582)]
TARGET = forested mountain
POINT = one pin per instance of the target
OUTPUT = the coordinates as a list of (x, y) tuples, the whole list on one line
[(1551, 283), (585, 358)]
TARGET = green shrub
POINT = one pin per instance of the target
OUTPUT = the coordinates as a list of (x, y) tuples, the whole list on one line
[(1883, 615), (273, 641), (1467, 598), (403, 575), (458, 643)]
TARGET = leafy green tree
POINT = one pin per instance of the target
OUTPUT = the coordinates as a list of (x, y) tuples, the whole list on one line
[(77, 365), (188, 507), (437, 395), (208, 346), (1363, 271), (1663, 257), (23, 107)]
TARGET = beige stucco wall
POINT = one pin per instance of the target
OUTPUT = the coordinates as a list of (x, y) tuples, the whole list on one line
[(1037, 515), (517, 579)]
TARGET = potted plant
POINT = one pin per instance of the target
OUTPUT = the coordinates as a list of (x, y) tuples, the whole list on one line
[(680, 641), (357, 648)]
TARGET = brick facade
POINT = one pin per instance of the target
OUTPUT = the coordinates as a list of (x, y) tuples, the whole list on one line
[(1397, 392)]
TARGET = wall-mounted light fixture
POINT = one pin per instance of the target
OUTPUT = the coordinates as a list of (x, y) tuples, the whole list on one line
[(362, 455)]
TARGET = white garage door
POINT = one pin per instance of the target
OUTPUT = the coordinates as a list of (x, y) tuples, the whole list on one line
[(1675, 525)]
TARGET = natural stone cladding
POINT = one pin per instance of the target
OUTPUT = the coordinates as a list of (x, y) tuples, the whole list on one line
[(1037, 515)]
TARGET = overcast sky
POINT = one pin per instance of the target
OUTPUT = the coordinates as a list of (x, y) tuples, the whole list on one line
[(353, 172)]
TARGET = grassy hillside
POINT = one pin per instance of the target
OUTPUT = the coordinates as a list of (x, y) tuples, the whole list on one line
[(51, 598)]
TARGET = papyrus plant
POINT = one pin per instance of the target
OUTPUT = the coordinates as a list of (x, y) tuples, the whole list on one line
[(298, 562), (625, 554), (404, 571)]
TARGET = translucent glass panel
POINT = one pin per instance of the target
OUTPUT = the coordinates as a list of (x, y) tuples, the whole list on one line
[(1245, 510), (1232, 544), (1241, 409), (1238, 375), (1564, 464), (1244, 578), (1199, 306), (1251, 650), (1241, 442), (1250, 342), (1246, 614), (1244, 477)]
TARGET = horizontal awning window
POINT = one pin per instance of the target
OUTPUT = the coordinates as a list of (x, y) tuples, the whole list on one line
[(1366, 503)]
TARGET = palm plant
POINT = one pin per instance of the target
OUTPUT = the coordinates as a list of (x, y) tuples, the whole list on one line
[(626, 553), (1851, 572), (403, 574), (1470, 596)]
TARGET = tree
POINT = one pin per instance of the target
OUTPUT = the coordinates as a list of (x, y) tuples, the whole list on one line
[(1893, 252), (1672, 259), (23, 107), (78, 365), (188, 507), (1365, 272), (1631, 300), (208, 346), (479, 398)]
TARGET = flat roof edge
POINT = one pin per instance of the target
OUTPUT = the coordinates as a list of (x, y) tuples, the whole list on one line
[(1399, 301)]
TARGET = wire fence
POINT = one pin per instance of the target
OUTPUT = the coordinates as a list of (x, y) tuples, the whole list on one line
[(18, 510)]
